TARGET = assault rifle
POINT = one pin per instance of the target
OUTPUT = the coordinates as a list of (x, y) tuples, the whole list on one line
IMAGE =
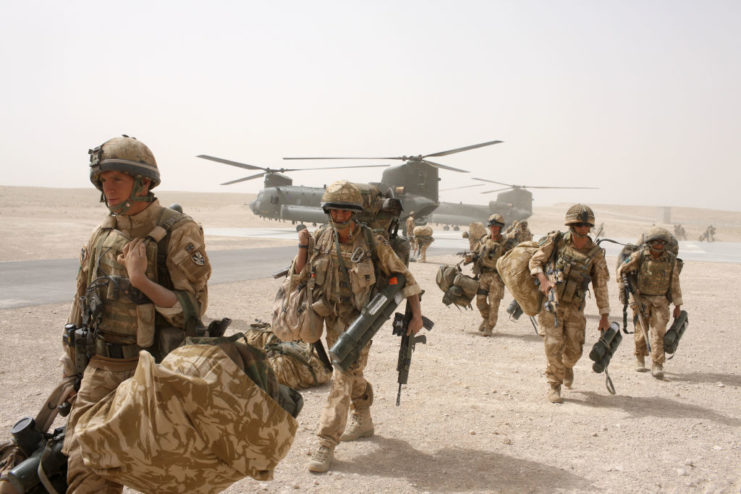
[(637, 308), (400, 326), (466, 254)]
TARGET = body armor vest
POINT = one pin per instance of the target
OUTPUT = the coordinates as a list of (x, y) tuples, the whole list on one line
[(124, 315), (491, 251), (571, 272), (655, 275), (330, 282)]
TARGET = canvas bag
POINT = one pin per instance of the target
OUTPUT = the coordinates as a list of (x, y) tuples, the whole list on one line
[(293, 316), (514, 269)]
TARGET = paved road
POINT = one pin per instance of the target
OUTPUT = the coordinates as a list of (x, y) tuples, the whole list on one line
[(26, 283)]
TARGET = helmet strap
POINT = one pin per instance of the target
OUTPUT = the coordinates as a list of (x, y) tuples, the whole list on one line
[(135, 196)]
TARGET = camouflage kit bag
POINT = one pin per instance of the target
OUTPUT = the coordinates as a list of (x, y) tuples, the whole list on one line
[(458, 288), (295, 363), (207, 416), (514, 269), (293, 316)]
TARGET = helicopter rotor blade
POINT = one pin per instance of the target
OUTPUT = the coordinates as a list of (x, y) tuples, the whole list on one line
[(345, 158), (548, 187), (496, 190), (331, 168), (491, 181), (459, 150), (461, 187), (230, 162), (446, 167), (245, 178)]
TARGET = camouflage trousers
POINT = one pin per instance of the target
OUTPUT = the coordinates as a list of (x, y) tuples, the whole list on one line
[(564, 339), (488, 304), (422, 245), (656, 310), (96, 384), (347, 388)]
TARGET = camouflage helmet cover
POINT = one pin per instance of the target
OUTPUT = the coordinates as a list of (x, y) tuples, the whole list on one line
[(125, 154), (658, 233), (496, 219), (342, 195), (579, 213)]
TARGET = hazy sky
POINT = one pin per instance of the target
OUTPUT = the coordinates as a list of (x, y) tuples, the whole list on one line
[(641, 98)]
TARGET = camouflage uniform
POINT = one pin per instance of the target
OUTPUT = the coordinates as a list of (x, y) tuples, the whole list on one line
[(564, 333), (342, 305), (658, 281), (423, 240), (127, 326), (491, 286), (410, 235), (519, 232)]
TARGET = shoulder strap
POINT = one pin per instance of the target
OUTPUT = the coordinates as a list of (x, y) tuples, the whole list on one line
[(161, 235)]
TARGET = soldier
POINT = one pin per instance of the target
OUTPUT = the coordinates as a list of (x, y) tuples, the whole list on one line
[(423, 238), (491, 287), (346, 261), (144, 269), (409, 232), (657, 282), (519, 232), (572, 260), (679, 232)]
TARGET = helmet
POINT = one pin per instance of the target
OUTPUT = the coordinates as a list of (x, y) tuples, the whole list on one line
[(342, 195), (123, 154), (496, 220), (657, 233), (579, 213)]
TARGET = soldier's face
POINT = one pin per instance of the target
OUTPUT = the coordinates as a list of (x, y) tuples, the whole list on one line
[(495, 229), (340, 215), (582, 229), (117, 186)]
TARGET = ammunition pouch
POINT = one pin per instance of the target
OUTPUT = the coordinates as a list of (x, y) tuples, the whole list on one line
[(346, 350), (605, 348), (675, 332)]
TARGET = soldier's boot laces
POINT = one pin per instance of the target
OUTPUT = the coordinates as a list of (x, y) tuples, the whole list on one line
[(554, 394), (361, 425), (568, 378), (321, 459), (640, 363), (657, 370)]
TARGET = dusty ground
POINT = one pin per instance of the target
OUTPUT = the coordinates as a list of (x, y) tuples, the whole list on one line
[(474, 417)]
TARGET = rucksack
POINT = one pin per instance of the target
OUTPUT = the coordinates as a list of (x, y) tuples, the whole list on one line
[(514, 269)]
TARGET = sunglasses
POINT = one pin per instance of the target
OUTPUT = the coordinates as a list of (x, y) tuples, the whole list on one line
[(581, 224)]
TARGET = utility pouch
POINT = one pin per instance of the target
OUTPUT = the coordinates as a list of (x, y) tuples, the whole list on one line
[(84, 348)]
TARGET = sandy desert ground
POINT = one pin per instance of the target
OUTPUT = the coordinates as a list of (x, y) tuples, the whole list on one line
[(474, 416)]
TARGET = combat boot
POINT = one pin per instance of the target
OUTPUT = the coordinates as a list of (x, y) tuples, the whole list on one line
[(321, 459), (554, 394), (568, 377), (482, 327), (640, 363), (657, 370), (361, 425)]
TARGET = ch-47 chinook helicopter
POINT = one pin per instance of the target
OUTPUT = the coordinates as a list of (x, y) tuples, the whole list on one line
[(415, 183), (514, 202)]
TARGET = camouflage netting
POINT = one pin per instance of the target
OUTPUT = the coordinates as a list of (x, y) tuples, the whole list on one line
[(515, 272), (195, 423)]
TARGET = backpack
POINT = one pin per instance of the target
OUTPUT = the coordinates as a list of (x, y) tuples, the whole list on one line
[(293, 318), (458, 288)]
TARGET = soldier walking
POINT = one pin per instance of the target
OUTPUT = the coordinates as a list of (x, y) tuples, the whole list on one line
[(347, 263), (655, 273), (491, 286), (564, 265)]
